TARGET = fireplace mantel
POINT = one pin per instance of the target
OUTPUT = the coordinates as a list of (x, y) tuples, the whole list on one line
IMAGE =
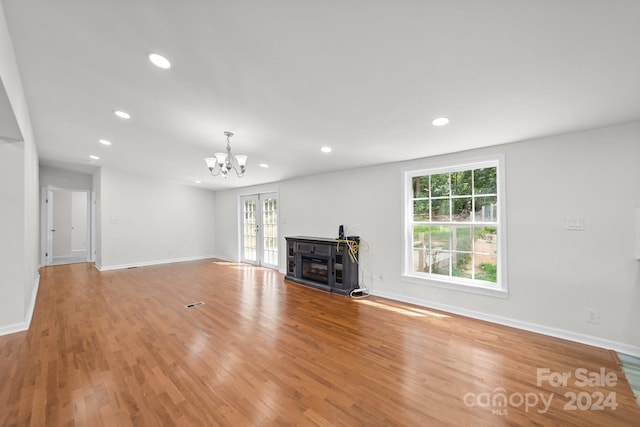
[(323, 263)]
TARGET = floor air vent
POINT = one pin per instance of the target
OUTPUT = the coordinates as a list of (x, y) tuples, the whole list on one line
[(195, 304)]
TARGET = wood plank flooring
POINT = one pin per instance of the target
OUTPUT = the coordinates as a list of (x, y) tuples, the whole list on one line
[(119, 348)]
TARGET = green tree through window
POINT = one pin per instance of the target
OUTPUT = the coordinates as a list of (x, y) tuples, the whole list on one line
[(454, 224)]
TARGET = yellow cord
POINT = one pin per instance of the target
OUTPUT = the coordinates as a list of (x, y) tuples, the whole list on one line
[(353, 248)]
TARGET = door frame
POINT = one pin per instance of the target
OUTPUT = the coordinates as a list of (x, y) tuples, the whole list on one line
[(259, 244), (46, 223)]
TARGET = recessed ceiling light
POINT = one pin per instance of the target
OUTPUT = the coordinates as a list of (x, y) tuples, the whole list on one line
[(122, 114), (159, 61), (440, 121), (326, 149), (263, 165), (198, 181), (104, 142), (94, 157)]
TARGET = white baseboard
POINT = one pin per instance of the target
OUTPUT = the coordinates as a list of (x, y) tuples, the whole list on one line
[(148, 263), (224, 258), (32, 304), (518, 324), (23, 326), (12, 329)]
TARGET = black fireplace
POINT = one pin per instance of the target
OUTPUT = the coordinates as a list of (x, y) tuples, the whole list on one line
[(323, 263), (316, 269)]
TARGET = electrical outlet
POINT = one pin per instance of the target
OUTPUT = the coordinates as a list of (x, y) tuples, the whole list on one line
[(594, 316), (381, 277)]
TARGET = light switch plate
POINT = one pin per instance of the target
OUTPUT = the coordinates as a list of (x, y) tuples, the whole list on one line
[(575, 223)]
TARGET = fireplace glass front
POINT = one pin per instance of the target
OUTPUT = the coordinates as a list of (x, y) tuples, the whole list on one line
[(316, 269)]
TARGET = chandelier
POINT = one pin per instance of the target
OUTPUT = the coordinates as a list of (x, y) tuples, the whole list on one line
[(222, 163)]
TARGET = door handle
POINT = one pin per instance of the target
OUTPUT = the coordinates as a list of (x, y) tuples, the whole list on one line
[(53, 230)]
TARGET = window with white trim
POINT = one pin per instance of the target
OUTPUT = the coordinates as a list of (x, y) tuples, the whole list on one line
[(454, 232)]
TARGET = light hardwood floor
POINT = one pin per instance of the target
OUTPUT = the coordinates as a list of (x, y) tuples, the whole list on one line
[(119, 348)]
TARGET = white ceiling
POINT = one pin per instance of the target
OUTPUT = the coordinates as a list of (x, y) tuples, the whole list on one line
[(288, 76)]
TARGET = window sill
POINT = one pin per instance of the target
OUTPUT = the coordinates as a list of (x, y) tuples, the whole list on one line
[(452, 285)]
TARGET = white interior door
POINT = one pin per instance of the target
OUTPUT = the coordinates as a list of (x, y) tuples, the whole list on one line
[(62, 224), (259, 235), (79, 223), (47, 226)]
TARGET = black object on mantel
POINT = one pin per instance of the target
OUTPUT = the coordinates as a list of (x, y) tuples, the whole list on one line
[(323, 263)]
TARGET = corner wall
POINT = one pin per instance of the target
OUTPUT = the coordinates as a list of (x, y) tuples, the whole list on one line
[(19, 211), (145, 220), (554, 276)]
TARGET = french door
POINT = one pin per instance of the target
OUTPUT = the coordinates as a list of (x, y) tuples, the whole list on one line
[(259, 232)]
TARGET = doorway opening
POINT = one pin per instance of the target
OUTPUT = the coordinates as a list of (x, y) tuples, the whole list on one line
[(66, 226)]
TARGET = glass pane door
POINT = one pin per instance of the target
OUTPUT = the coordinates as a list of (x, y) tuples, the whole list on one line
[(249, 243), (270, 229), (259, 237)]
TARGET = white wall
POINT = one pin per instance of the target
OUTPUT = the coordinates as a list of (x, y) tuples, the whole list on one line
[(555, 276), (59, 178), (12, 244), (146, 220), (97, 217), (19, 225), (31, 221)]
